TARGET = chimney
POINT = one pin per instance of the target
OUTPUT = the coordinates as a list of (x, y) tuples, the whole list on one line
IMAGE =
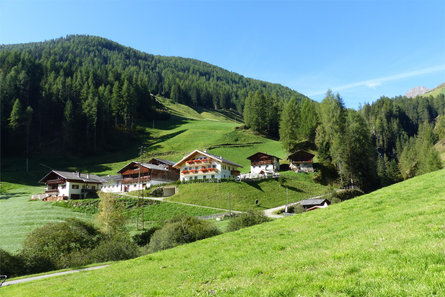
[(205, 150), (78, 173), (88, 175)]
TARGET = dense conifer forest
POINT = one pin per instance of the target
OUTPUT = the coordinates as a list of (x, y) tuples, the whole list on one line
[(84, 94), (80, 93), (381, 143)]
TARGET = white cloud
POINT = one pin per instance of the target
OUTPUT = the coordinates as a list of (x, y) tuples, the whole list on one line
[(372, 83)]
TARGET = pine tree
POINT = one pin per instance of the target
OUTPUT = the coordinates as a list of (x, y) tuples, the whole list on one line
[(16, 117), (289, 126)]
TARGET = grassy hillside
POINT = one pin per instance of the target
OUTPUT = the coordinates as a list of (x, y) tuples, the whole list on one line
[(270, 193), (440, 89), (387, 243), (19, 216)]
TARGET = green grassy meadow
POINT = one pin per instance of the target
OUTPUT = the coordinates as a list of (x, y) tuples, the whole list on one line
[(19, 216), (386, 243), (270, 193)]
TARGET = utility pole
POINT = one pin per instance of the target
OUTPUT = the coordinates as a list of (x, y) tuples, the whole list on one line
[(140, 200), (230, 206), (287, 199)]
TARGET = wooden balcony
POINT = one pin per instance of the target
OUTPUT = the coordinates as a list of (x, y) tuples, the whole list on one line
[(259, 163), (52, 191), (235, 172), (135, 180), (199, 171), (55, 181), (203, 161)]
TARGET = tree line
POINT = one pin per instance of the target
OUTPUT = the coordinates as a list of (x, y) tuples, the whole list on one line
[(80, 92), (379, 144)]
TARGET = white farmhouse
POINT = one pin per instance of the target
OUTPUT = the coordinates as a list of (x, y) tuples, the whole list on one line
[(262, 163), (202, 165), (70, 185)]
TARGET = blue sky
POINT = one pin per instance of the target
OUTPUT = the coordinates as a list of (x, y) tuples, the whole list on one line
[(361, 49)]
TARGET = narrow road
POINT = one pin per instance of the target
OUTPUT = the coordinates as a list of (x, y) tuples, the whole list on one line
[(270, 212), (28, 279)]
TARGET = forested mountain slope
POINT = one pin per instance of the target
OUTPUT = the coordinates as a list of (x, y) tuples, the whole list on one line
[(89, 90)]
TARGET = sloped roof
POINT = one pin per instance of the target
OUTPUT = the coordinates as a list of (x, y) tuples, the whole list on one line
[(171, 163), (314, 202), (264, 154), (301, 155), (215, 157), (111, 178), (146, 165), (76, 176)]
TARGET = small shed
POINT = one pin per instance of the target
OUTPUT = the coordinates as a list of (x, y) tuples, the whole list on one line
[(311, 204), (301, 161)]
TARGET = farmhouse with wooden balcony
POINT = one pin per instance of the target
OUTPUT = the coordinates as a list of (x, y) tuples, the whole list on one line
[(262, 163), (301, 161), (202, 165), (138, 176), (69, 185)]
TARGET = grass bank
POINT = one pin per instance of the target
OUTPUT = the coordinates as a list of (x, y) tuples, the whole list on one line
[(243, 195), (387, 243)]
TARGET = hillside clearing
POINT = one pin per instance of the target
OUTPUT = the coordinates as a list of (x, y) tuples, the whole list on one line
[(387, 243), (243, 195)]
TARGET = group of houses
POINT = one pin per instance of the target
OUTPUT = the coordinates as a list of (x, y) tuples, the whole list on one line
[(198, 165)]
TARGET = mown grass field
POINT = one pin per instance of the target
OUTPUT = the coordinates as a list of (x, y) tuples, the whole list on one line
[(243, 195), (387, 243), (19, 216)]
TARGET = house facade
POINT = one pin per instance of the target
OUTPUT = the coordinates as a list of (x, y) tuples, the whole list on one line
[(262, 163), (202, 165), (301, 161), (70, 185), (138, 176)]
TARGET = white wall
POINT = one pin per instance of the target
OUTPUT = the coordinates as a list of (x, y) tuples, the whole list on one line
[(223, 170)]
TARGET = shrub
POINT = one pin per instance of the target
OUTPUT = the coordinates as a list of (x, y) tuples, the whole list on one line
[(143, 238), (179, 230), (10, 265), (247, 219), (349, 194), (49, 247), (114, 248)]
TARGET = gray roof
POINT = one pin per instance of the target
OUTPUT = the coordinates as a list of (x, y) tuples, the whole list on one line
[(83, 177), (223, 160), (165, 161), (111, 178), (219, 158), (308, 202), (146, 165), (153, 166)]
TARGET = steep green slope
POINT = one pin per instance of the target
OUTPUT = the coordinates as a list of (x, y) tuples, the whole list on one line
[(440, 89), (243, 195), (387, 243)]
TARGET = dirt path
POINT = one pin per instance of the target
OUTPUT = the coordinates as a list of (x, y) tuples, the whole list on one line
[(270, 212), (28, 279)]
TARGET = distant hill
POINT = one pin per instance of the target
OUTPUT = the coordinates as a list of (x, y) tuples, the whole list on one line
[(440, 89), (90, 90), (416, 91), (386, 243)]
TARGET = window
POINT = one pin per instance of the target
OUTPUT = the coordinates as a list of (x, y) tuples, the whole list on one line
[(213, 176), (214, 166), (63, 186), (93, 187), (196, 177), (74, 186), (204, 177)]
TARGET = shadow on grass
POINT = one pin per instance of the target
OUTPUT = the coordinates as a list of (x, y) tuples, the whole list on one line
[(7, 195), (254, 184)]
